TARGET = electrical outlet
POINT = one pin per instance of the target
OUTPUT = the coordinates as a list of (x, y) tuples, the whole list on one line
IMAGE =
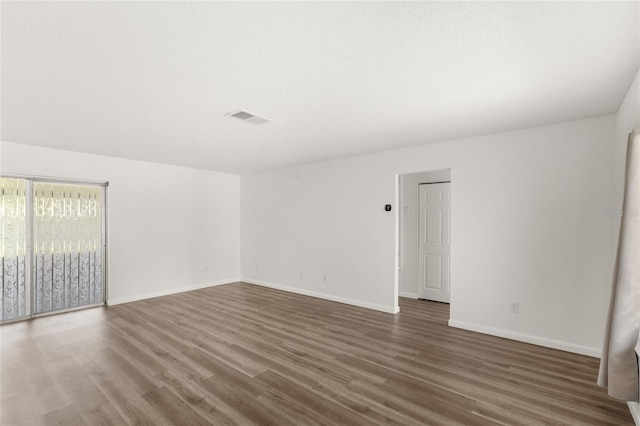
[(514, 307), (257, 267), (325, 277), (301, 274)]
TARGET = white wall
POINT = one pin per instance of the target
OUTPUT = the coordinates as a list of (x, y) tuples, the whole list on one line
[(627, 118), (311, 219), (527, 226), (167, 224)]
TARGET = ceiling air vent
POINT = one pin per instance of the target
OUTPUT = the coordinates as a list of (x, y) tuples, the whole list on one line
[(248, 117)]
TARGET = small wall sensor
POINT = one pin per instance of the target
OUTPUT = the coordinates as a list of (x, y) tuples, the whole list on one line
[(387, 208)]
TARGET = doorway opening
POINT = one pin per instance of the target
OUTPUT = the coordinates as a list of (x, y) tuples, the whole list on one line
[(423, 235)]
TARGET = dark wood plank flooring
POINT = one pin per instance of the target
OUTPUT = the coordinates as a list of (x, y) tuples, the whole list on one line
[(242, 354)]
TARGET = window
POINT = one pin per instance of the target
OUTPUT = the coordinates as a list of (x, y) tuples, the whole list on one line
[(53, 246)]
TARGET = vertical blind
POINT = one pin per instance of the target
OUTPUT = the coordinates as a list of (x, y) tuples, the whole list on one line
[(67, 246), (13, 248)]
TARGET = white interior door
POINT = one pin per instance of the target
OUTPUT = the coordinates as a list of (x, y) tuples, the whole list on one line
[(434, 241)]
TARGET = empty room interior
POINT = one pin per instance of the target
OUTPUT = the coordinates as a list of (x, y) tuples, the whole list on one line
[(301, 213)]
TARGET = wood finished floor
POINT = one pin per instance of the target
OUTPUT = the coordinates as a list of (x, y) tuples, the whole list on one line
[(242, 354)]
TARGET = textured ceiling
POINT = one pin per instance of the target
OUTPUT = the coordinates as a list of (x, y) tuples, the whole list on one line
[(153, 80)]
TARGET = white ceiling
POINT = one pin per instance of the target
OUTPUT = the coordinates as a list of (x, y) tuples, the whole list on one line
[(153, 80)]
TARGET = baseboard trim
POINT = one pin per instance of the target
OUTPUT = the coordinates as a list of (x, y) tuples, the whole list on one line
[(112, 302), (536, 340), (353, 302), (634, 408), (408, 295)]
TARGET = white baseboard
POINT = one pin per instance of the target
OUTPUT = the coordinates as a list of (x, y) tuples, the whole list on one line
[(137, 297), (634, 408), (408, 295), (540, 341), (390, 310)]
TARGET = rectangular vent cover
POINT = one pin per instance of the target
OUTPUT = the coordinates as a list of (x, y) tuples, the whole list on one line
[(248, 117)]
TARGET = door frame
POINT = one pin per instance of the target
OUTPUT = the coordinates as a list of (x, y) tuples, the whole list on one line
[(407, 222)]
